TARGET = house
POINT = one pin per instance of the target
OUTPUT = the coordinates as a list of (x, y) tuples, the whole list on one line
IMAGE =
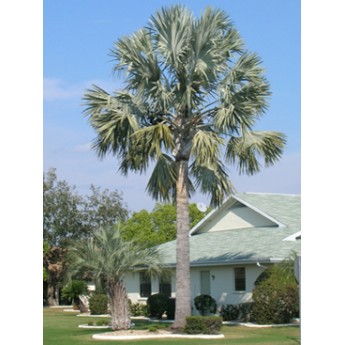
[(230, 248)]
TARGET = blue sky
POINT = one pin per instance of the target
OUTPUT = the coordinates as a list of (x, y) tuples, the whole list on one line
[(77, 38)]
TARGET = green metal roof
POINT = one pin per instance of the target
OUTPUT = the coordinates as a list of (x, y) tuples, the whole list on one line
[(246, 245)]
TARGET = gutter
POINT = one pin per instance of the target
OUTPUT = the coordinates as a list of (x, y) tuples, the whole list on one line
[(230, 263)]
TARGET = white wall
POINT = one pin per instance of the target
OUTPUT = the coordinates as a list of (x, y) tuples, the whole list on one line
[(223, 284), (132, 283), (222, 281)]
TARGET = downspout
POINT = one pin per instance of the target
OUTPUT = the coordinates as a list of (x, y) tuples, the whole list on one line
[(259, 265)]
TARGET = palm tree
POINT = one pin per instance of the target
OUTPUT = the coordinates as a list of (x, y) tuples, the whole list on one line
[(106, 257), (191, 98)]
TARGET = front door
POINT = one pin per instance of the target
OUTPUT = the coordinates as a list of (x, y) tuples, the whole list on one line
[(205, 286)]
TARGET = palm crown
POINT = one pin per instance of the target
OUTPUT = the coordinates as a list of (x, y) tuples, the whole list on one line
[(192, 93), (106, 257)]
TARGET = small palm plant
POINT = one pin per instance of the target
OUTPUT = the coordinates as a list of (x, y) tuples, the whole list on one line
[(107, 257), (73, 290)]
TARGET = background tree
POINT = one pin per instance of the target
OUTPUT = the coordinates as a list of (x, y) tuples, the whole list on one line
[(192, 96), (158, 226), (104, 207), (195, 215), (45, 274), (62, 215), (107, 257), (54, 262), (68, 216), (45, 251)]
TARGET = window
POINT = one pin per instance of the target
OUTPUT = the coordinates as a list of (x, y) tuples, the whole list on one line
[(145, 285), (205, 284), (240, 279), (165, 286)]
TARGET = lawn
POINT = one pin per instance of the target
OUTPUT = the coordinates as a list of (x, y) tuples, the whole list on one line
[(61, 328)]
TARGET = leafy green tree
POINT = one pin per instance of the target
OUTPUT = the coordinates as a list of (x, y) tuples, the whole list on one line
[(107, 257), (69, 215), (195, 215), (139, 228), (158, 226), (104, 207), (192, 97), (62, 215)]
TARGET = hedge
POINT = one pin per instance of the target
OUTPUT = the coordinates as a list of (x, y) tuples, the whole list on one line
[(203, 324)]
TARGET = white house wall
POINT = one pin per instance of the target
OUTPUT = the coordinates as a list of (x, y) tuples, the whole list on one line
[(132, 283), (222, 281), (222, 285)]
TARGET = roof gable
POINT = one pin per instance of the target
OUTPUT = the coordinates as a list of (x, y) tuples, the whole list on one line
[(249, 210)]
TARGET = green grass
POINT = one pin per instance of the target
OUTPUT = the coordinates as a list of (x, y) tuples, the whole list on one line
[(61, 328)]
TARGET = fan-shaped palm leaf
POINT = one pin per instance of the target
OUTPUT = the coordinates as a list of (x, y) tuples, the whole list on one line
[(251, 146)]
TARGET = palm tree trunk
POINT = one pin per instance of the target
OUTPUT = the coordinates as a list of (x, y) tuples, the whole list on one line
[(51, 295), (183, 298), (52, 299), (119, 307)]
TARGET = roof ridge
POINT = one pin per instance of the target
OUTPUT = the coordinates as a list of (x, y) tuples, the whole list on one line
[(264, 193)]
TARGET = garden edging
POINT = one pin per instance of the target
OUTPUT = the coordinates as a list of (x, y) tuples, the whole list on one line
[(110, 336)]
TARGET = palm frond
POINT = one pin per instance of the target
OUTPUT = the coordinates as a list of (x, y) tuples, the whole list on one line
[(156, 137), (135, 56), (162, 183), (206, 147), (171, 29), (212, 180), (248, 149), (213, 38), (163, 179), (107, 256), (243, 95), (113, 120), (247, 69)]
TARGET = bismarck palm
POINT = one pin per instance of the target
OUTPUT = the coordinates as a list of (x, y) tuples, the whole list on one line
[(192, 96)]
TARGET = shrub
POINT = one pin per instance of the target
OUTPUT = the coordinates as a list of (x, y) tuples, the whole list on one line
[(203, 324), (98, 304), (102, 323), (245, 312), (138, 309), (241, 312), (274, 304), (153, 328), (205, 304), (157, 304), (229, 312), (276, 298)]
